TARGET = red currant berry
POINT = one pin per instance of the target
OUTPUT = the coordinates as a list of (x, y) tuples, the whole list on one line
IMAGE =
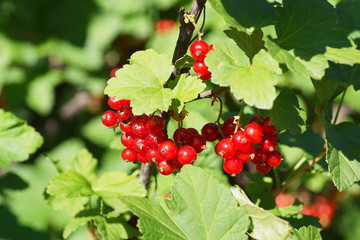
[(211, 132), (186, 155), (124, 113), (256, 119), (233, 166), (176, 163), (262, 167), (254, 131), (140, 145), (109, 118), (129, 155), (200, 68), (247, 155), (205, 77), (126, 127), (182, 137), (165, 25), (116, 104), (139, 128), (165, 168), (167, 150), (127, 140), (228, 127), (153, 155), (268, 143), (260, 156), (284, 199), (241, 141), (154, 124), (154, 139), (211, 47), (142, 117), (268, 128), (113, 71), (199, 49), (225, 148), (193, 131), (198, 142), (273, 158), (141, 157)]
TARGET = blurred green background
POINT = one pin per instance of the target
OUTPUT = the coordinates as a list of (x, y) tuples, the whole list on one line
[(55, 60)]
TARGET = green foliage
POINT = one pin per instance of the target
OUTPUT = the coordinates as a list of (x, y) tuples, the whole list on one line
[(306, 233), (17, 139)]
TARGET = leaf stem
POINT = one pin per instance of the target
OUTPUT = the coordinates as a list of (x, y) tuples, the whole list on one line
[(340, 104), (238, 124)]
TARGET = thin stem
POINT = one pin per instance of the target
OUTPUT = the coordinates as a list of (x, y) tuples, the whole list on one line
[(192, 20), (277, 178), (202, 25), (339, 107), (220, 112), (238, 124)]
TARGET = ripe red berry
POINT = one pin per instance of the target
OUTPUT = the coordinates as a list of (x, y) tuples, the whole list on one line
[(247, 155), (233, 166), (225, 148), (128, 155), (154, 139), (182, 137), (199, 49), (273, 158), (153, 155), (193, 131), (154, 124), (198, 142), (256, 119), (124, 113), (186, 155), (139, 128), (268, 143), (229, 126), (109, 118), (127, 140), (241, 141), (126, 127), (260, 156), (113, 71), (141, 157), (116, 104), (263, 167), (211, 132), (268, 128), (284, 199), (205, 77), (167, 150), (165, 25), (165, 167), (254, 131), (140, 145), (200, 68)]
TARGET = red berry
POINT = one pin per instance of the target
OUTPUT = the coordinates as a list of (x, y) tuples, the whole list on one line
[(247, 155), (193, 131), (186, 155), (260, 156), (256, 119), (113, 71), (165, 168), (116, 104), (141, 157), (211, 132), (167, 150), (198, 142), (233, 166), (273, 158), (262, 167), (154, 124), (140, 145), (127, 140), (268, 128), (211, 47), (154, 139), (124, 113), (176, 163), (182, 137), (205, 77), (254, 131), (200, 68), (225, 148), (228, 127), (142, 117), (139, 128), (165, 25), (284, 199), (109, 118), (129, 155), (126, 127), (241, 141), (268, 143), (153, 155), (199, 49)]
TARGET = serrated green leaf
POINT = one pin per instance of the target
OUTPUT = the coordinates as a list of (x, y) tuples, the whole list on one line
[(343, 153), (250, 42), (287, 113), (185, 62), (80, 219), (200, 208), (142, 81), (327, 89), (314, 68), (69, 184), (348, 56), (73, 205), (266, 225), (85, 164), (301, 23), (17, 139), (307, 233), (187, 89), (346, 74), (246, 13), (254, 83), (115, 228)]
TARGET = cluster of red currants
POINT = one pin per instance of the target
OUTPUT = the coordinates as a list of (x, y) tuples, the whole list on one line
[(257, 143), (198, 51), (123, 112)]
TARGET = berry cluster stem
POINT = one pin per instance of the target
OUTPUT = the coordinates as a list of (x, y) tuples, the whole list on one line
[(191, 18), (240, 114)]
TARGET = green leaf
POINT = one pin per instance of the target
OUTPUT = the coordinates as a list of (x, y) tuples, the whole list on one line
[(73, 205), (80, 219), (17, 139), (315, 67), (115, 228), (266, 225), (69, 184), (301, 23), (327, 89), (348, 56), (250, 42), (185, 62), (346, 74), (142, 81), (246, 13), (187, 89), (287, 113), (199, 208), (253, 83), (343, 153), (307, 233), (85, 164)]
